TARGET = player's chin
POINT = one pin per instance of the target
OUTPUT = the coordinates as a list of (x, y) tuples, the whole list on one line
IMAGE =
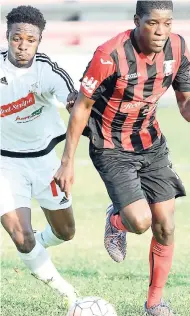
[(157, 50), (23, 62)]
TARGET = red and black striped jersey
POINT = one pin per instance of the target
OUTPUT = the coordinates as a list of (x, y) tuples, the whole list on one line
[(126, 86)]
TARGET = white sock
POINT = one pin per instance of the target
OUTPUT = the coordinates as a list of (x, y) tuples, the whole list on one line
[(39, 263), (47, 237)]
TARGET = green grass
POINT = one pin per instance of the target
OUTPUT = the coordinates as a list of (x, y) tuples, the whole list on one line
[(84, 261)]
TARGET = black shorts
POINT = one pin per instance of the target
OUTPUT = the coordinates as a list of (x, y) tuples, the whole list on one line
[(129, 176)]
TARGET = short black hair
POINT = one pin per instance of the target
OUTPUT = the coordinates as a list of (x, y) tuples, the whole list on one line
[(26, 14), (145, 7)]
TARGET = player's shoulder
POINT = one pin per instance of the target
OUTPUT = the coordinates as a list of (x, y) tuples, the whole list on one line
[(115, 42), (176, 39), (177, 42), (3, 54), (44, 60), (47, 64)]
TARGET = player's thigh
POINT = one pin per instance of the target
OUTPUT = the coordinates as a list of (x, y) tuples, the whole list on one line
[(57, 209), (62, 221)]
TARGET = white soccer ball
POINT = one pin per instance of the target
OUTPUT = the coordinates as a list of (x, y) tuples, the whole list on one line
[(91, 306)]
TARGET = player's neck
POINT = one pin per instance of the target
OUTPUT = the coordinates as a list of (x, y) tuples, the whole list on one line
[(141, 47), (16, 64)]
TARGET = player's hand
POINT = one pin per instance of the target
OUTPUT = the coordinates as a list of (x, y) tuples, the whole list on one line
[(64, 177), (71, 100)]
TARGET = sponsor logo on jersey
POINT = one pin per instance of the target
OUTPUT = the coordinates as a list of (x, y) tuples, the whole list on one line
[(4, 81), (89, 84), (34, 87), (30, 117), (135, 75), (106, 62), (17, 106), (169, 67)]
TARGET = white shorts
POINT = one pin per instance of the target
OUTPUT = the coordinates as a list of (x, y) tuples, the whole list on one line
[(22, 179)]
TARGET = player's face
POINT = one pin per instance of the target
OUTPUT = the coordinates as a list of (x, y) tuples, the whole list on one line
[(23, 40), (154, 30)]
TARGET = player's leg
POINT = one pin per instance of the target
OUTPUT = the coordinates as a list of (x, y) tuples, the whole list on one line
[(160, 256), (15, 188), (162, 187), (17, 223), (130, 211), (57, 208), (161, 249), (36, 258), (60, 227), (58, 211)]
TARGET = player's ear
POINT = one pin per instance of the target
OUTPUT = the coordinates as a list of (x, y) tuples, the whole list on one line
[(40, 38), (137, 20)]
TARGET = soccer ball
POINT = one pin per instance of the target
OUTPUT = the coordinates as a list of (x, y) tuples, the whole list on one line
[(91, 306)]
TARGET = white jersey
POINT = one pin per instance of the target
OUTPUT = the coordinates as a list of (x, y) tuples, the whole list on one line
[(30, 121)]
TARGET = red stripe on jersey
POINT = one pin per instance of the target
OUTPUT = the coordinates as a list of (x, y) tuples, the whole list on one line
[(156, 126), (126, 133), (114, 102), (176, 50), (123, 66), (53, 188), (157, 91)]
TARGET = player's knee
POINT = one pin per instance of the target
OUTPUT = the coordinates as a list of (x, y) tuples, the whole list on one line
[(24, 240), (165, 231), (141, 224), (66, 232)]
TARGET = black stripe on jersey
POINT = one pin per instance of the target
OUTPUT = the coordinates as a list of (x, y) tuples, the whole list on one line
[(167, 81), (95, 121), (5, 53), (116, 127), (57, 69), (135, 136), (132, 64), (152, 130), (182, 45), (43, 152), (181, 81), (149, 83), (128, 95), (115, 58), (119, 118)]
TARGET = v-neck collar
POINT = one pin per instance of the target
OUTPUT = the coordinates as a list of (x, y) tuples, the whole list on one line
[(141, 55)]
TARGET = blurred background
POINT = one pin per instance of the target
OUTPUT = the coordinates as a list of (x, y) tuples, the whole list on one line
[(76, 27)]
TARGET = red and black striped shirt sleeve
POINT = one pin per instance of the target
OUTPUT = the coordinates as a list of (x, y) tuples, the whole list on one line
[(181, 82), (100, 68)]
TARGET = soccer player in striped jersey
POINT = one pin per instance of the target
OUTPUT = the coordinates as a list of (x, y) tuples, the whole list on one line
[(31, 127), (118, 100)]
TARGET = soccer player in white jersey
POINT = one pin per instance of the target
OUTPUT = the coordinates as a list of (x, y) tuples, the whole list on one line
[(30, 128)]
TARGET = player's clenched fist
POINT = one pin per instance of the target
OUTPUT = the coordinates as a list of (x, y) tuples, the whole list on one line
[(64, 177), (71, 100)]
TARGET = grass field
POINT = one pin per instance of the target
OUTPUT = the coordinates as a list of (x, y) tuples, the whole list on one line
[(84, 261)]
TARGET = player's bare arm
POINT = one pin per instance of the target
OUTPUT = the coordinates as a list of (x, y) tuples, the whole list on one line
[(78, 120), (183, 100)]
